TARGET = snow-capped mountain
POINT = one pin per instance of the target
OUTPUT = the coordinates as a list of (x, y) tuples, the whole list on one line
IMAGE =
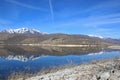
[(23, 31), (96, 36), (35, 36)]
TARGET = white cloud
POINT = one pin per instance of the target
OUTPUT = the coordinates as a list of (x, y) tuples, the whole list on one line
[(103, 21), (26, 5), (92, 21)]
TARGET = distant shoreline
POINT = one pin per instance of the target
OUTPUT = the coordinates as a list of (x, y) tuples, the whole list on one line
[(51, 45), (114, 47), (61, 45)]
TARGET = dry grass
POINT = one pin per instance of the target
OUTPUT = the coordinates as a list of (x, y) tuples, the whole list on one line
[(22, 76)]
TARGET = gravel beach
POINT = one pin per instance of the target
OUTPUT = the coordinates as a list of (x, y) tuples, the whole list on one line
[(96, 70)]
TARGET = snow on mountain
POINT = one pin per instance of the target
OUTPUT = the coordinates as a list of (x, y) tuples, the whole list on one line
[(23, 31), (96, 36)]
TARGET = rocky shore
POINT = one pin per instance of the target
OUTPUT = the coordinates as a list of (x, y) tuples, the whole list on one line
[(96, 70)]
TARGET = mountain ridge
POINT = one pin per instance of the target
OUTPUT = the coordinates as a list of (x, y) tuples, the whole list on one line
[(32, 36)]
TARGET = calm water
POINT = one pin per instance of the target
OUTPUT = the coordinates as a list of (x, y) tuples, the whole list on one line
[(30, 62)]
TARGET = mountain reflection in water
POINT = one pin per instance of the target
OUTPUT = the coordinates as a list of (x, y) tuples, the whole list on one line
[(58, 51), (34, 59)]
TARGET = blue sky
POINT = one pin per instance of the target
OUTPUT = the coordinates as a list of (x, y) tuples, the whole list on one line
[(94, 17)]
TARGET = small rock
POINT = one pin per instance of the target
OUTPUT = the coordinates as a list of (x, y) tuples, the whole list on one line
[(105, 76)]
